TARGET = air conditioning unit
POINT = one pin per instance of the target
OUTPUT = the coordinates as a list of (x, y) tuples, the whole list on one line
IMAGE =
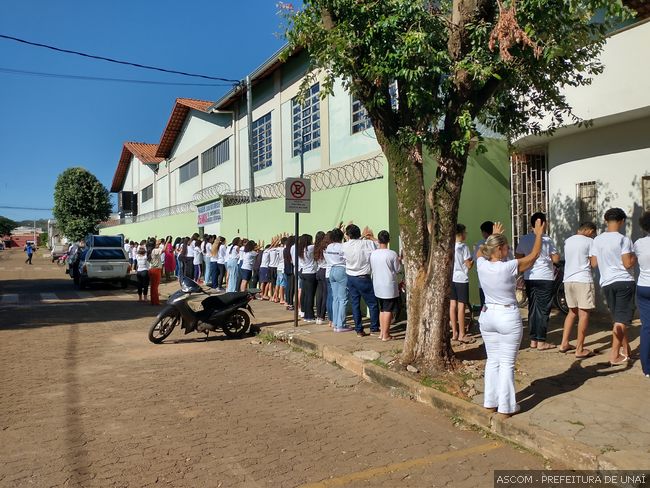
[(125, 201)]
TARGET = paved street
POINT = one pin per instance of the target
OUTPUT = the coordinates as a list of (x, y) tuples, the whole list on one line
[(88, 401)]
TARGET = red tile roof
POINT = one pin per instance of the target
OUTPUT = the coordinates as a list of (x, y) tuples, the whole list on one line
[(141, 150), (175, 123)]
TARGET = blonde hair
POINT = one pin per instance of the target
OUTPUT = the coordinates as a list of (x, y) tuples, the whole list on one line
[(492, 244)]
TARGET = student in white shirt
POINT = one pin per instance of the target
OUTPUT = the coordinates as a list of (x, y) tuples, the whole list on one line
[(264, 273), (500, 321), (612, 253), (338, 280), (232, 258), (357, 267), (321, 242), (385, 265), (281, 281), (459, 297), (539, 285), (642, 252), (213, 264), (198, 260), (221, 262), (274, 261), (487, 228), (142, 274), (578, 287), (308, 267), (248, 258), (240, 262)]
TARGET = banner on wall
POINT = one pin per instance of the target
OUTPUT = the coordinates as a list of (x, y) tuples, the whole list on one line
[(209, 213)]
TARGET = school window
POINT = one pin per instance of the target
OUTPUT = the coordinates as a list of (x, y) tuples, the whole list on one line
[(587, 202), (215, 156), (189, 170), (306, 121), (147, 193), (262, 142), (360, 118), (645, 189)]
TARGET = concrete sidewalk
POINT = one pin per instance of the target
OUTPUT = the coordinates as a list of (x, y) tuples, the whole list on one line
[(582, 413)]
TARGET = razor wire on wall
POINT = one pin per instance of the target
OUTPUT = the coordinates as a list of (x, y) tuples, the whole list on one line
[(338, 176)]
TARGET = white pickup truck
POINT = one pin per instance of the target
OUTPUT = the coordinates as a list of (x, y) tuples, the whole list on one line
[(104, 261)]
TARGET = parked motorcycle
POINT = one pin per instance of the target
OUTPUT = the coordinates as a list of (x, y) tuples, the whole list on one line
[(228, 312)]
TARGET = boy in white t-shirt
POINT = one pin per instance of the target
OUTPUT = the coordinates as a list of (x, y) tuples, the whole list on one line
[(612, 253), (459, 297), (385, 265), (578, 287)]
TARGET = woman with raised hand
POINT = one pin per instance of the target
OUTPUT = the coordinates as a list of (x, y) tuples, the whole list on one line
[(232, 259), (500, 321)]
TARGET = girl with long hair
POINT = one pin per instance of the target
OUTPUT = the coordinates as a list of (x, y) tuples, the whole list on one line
[(308, 268)]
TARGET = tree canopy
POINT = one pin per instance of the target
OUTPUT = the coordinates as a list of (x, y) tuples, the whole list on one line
[(81, 202), (7, 225), (428, 72)]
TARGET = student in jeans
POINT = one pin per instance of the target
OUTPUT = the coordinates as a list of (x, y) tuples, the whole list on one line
[(460, 287), (338, 280), (539, 284), (578, 287), (232, 257), (612, 253), (500, 321), (357, 268), (385, 265), (289, 290), (642, 252)]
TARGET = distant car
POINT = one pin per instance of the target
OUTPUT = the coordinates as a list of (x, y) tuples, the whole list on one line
[(58, 251)]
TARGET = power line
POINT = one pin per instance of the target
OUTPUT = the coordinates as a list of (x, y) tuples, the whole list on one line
[(96, 78), (24, 208), (112, 60)]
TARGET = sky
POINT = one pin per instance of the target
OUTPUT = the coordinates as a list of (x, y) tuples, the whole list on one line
[(50, 124)]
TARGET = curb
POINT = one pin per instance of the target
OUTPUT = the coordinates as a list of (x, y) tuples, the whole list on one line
[(568, 452)]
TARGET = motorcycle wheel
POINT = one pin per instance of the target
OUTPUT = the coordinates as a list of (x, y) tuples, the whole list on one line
[(560, 299), (164, 325), (237, 324)]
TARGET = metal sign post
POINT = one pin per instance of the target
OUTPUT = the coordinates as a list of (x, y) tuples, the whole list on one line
[(297, 200)]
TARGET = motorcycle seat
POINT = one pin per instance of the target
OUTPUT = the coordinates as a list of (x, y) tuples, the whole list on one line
[(225, 300)]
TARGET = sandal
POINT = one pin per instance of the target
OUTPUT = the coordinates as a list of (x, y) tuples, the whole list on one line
[(586, 353), (618, 363), (546, 347), (467, 340), (566, 349), (386, 339)]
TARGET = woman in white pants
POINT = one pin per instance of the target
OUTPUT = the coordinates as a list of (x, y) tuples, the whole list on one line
[(500, 321)]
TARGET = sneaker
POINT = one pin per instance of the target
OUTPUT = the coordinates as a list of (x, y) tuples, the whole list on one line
[(309, 321), (362, 333), (343, 329), (301, 314), (319, 321)]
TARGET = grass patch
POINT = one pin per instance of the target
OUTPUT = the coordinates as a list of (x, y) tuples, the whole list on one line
[(297, 349), (380, 363), (267, 338), (438, 384)]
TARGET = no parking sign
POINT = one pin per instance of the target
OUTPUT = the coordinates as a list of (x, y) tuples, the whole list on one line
[(297, 195)]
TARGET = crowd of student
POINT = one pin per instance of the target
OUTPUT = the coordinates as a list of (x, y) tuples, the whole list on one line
[(611, 252), (334, 268), (348, 265)]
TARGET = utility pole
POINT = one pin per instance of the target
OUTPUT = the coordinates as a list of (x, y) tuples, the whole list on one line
[(249, 108)]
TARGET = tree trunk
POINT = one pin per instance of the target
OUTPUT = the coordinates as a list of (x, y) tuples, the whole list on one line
[(428, 249)]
